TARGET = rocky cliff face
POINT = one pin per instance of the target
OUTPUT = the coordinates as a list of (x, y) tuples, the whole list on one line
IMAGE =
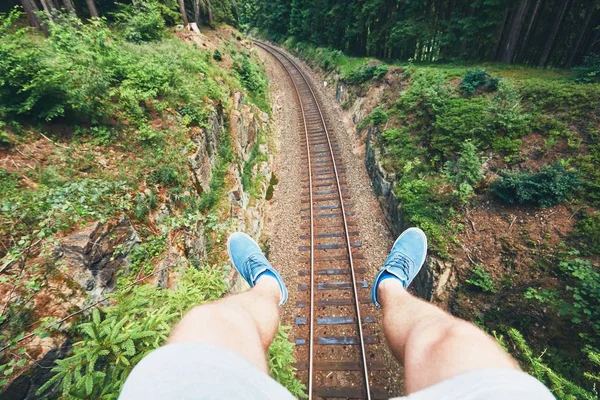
[(358, 102)]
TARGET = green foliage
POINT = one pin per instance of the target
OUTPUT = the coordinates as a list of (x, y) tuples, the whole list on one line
[(481, 279), (587, 233), (167, 176), (253, 78), (141, 22), (465, 172), (365, 73), (589, 72), (549, 186), (117, 338), (281, 360), (251, 183), (562, 388), (377, 117), (476, 79), (217, 55)]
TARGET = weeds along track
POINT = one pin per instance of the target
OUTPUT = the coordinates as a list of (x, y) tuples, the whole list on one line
[(336, 353)]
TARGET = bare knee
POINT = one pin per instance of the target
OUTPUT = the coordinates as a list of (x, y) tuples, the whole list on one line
[(456, 341)]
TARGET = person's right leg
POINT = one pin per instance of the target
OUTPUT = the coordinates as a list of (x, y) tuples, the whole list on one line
[(443, 356), (432, 345)]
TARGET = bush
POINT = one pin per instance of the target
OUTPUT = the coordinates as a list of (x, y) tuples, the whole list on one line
[(366, 72), (549, 186), (253, 78), (281, 360), (589, 72), (142, 22), (481, 279), (465, 172), (217, 55), (377, 117), (587, 233), (476, 79)]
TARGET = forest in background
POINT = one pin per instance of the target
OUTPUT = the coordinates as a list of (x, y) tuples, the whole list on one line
[(561, 33)]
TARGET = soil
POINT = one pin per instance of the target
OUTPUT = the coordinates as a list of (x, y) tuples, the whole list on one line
[(284, 212)]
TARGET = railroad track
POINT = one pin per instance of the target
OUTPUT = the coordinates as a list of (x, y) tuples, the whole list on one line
[(335, 343)]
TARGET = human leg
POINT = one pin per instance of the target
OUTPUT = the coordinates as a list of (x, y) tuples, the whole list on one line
[(432, 345), (245, 323)]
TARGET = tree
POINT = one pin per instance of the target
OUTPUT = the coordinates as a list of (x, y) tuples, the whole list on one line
[(554, 28), (183, 13), (510, 45), (591, 8), (31, 10), (532, 19), (92, 8), (69, 6)]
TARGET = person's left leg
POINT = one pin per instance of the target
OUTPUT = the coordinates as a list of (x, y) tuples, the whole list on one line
[(245, 323)]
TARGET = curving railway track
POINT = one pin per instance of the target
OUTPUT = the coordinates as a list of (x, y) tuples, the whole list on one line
[(334, 336)]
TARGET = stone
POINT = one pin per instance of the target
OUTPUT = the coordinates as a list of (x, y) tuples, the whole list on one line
[(26, 384), (94, 254)]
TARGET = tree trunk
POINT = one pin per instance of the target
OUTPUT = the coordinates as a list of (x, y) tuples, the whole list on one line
[(554, 32), (209, 12), (586, 23), (47, 9), (532, 20), (508, 50), (92, 8), (31, 9), (499, 36), (196, 5), (183, 14), (69, 6)]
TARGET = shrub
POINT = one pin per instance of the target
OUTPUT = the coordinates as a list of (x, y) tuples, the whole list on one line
[(589, 72), (549, 186), (217, 55), (481, 279), (166, 176), (476, 79), (465, 172), (281, 360), (117, 338), (377, 117), (562, 388), (366, 72), (142, 22), (587, 233), (253, 78)]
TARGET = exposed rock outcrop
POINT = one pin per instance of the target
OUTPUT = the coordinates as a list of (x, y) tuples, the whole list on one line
[(94, 254)]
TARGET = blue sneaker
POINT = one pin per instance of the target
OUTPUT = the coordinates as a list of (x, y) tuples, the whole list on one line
[(405, 260), (250, 262)]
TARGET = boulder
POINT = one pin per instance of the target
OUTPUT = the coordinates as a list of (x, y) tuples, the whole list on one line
[(94, 254)]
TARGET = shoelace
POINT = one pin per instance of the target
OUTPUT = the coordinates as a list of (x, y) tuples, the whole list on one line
[(402, 263), (253, 261)]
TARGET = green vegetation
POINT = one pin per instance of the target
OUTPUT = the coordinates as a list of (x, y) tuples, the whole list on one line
[(461, 140), (281, 362), (115, 107), (549, 186), (557, 33)]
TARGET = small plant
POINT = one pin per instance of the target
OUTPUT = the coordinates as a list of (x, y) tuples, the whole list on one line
[(482, 279), (549, 186), (587, 233), (281, 362), (217, 55), (465, 172), (476, 79), (377, 117), (366, 72), (589, 72)]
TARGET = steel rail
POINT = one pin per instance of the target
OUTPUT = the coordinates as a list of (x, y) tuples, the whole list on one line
[(272, 50), (310, 191)]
